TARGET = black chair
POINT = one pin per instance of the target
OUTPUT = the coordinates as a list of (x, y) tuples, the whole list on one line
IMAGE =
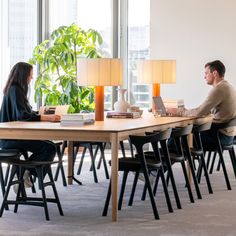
[(218, 148), (86, 146), (163, 137), (41, 169), (98, 146), (140, 164), (197, 152), (5, 155), (181, 152), (89, 146)]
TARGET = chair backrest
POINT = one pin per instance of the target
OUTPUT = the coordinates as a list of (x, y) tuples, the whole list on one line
[(201, 127), (197, 129), (140, 141), (180, 137), (181, 131), (227, 124)]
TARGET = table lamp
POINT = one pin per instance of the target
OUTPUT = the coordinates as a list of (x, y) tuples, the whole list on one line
[(156, 72), (99, 72)]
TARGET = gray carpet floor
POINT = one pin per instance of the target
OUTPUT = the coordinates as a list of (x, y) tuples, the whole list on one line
[(215, 214)]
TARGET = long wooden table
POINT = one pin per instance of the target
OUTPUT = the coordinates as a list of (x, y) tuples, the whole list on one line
[(109, 130)]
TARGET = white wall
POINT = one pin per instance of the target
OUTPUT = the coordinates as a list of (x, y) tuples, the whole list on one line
[(193, 32)]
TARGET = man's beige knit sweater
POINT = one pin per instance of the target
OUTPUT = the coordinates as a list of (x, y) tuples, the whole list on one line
[(221, 102)]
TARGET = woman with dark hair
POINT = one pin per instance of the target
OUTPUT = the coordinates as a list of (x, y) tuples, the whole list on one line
[(16, 107)]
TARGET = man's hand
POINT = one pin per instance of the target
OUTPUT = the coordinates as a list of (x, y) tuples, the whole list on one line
[(172, 111), (51, 118)]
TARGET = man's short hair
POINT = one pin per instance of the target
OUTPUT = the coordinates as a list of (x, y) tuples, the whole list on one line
[(218, 66)]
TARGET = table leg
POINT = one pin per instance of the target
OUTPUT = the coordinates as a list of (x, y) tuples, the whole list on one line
[(70, 162), (114, 174)]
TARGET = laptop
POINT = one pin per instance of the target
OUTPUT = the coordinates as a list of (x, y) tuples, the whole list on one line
[(159, 105), (54, 110)]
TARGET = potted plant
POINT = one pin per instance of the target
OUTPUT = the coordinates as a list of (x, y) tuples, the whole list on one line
[(56, 83)]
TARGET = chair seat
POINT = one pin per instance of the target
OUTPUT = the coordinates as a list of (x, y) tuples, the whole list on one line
[(176, 157), (196, 152), (227, 147), (9, 153), (134, 164), (29, 163)]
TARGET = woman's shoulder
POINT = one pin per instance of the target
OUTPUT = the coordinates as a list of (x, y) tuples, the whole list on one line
[(15, 88)]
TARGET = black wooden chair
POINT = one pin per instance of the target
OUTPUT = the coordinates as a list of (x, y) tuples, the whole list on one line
[(41, 169), (180, 153), (140, 164), (5, 155), (163, 137), (198, 154), (218, 148), (90, 146), (60, 147)]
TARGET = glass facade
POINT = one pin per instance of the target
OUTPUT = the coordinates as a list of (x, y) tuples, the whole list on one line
[(138, 48), (19, 35), (80, 12)]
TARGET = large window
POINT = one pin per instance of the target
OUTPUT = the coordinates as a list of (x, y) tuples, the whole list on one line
[(19, 29), (87, 14), (18, 34), (138, 48)]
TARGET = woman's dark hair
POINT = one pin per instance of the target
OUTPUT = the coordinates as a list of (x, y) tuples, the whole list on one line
[(19, 75), (218, 66)]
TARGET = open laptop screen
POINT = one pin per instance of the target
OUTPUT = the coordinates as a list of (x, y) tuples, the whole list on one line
[(159, 105)]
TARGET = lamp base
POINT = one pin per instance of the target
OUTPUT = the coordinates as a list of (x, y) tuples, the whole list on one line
[(99, 103), (155, 92)]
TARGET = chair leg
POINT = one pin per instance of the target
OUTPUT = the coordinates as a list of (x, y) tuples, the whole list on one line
[(212, 163), (122, 190), (122, 148), (145, 189), (93, 163), (81, 161), (190, 162), (187, 182), (206, 174), (221, 158), (21, 193), (105, 209), (101, 146), (208, 159), (233, 160), (170, 176), (7, 174), (168, 202), (39, 172), (2, 184), (133, 189), (60, 167), (4, 202), (156, 183), (194, 177), (49, 172), (147, 182)]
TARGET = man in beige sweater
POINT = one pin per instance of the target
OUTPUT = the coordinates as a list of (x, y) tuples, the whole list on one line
[(221, 102)]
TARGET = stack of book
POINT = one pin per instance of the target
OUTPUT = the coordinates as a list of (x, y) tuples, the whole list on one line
[(77, 119), (172, 103), (115, 114)]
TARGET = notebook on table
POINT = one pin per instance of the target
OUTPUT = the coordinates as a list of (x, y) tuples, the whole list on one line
[(54, 110)]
